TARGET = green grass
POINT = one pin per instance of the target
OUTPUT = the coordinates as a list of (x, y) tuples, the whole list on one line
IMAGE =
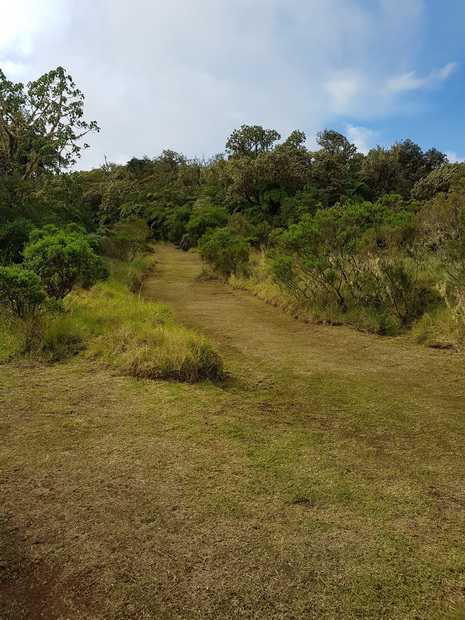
[(109, 323)]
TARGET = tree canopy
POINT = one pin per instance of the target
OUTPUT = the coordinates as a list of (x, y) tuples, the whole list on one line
[(41, 124)]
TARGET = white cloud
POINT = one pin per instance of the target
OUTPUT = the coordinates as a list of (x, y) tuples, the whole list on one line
[(363, 138), (453, 158), (409, 81), (342, 92)]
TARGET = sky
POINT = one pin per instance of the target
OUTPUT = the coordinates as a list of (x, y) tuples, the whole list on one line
[(182, 75)]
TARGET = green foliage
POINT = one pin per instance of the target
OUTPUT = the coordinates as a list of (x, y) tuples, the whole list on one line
[(63, 260), (205, 216), (41, 123), (132, 336), (13, 237), (349, 256), (226, 252), (128, 240), (250, 141), (439, 180), (21, 290)]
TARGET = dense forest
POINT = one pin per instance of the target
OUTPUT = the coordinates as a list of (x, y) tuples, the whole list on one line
[(376, 241)]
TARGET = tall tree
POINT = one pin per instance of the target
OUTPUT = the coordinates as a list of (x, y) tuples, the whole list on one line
[(336, 165), (41, 124), (250, 141)]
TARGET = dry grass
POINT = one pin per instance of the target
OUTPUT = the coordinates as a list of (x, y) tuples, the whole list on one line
[(323, 480)]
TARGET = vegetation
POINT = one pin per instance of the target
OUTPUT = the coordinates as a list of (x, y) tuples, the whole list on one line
[(324, 479), (375, 241), (336, 489)]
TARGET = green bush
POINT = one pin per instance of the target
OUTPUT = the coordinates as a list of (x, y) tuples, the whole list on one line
[(128, 241), (21, 290), (225, 252), (13, 237), (204, 217), (63, 260)]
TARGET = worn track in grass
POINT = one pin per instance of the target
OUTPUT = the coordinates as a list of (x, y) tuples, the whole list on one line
[(256, 335), (323, 479)]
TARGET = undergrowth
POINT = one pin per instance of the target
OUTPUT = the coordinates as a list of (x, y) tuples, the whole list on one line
[(111, 323), (442, 327)]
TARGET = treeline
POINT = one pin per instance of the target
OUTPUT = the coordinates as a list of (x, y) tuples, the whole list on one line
[(376, 240)]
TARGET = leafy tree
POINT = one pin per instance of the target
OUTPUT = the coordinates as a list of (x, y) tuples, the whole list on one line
[(41, 124), (381, 171), (262, 177), (205, 216), (63, 259), (251, 140), (13, 236), (336, 165), (128, 240), (21, 290), (439, 180), (226, 252), (140, 168), (414, 164)]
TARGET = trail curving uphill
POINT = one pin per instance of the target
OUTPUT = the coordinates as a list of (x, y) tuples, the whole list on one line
[(253, 335)]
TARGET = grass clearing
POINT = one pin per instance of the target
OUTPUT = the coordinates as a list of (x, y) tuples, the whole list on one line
[(323, 479)]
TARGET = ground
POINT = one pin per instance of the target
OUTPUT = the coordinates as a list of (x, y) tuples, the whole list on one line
[(322, 479)]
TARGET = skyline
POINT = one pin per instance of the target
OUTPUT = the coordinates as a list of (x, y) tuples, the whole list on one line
[(184, 76)]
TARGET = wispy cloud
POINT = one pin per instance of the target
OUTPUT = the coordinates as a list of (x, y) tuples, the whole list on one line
[(410, 81)]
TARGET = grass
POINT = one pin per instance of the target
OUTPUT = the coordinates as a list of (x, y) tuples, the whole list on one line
[(109, 323), (323, 479)]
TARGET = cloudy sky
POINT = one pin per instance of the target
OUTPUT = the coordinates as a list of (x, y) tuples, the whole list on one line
[(182, 75)]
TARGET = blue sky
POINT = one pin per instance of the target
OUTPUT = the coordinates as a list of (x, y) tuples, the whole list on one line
[(182, 75)]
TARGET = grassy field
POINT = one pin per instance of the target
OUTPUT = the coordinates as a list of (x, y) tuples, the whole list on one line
[(322, 479)]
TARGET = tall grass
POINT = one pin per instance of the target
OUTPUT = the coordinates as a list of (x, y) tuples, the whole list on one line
[(141, 338), (109, 323)]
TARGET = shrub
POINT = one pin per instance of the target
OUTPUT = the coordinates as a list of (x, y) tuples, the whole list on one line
[(21, 290), (204, 217), (129, 239), (225, 252), (13, 237), (63, 260)]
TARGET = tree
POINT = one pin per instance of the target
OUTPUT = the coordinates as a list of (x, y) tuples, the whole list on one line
[(21, 290), (336, 165), (41, 124), (381, 171), (251, 140), (226, 252)]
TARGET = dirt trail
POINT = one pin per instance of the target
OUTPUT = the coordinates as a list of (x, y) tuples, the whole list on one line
[(255, 333)]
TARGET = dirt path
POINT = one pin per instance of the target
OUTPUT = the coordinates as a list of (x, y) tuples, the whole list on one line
[(255, 334)]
